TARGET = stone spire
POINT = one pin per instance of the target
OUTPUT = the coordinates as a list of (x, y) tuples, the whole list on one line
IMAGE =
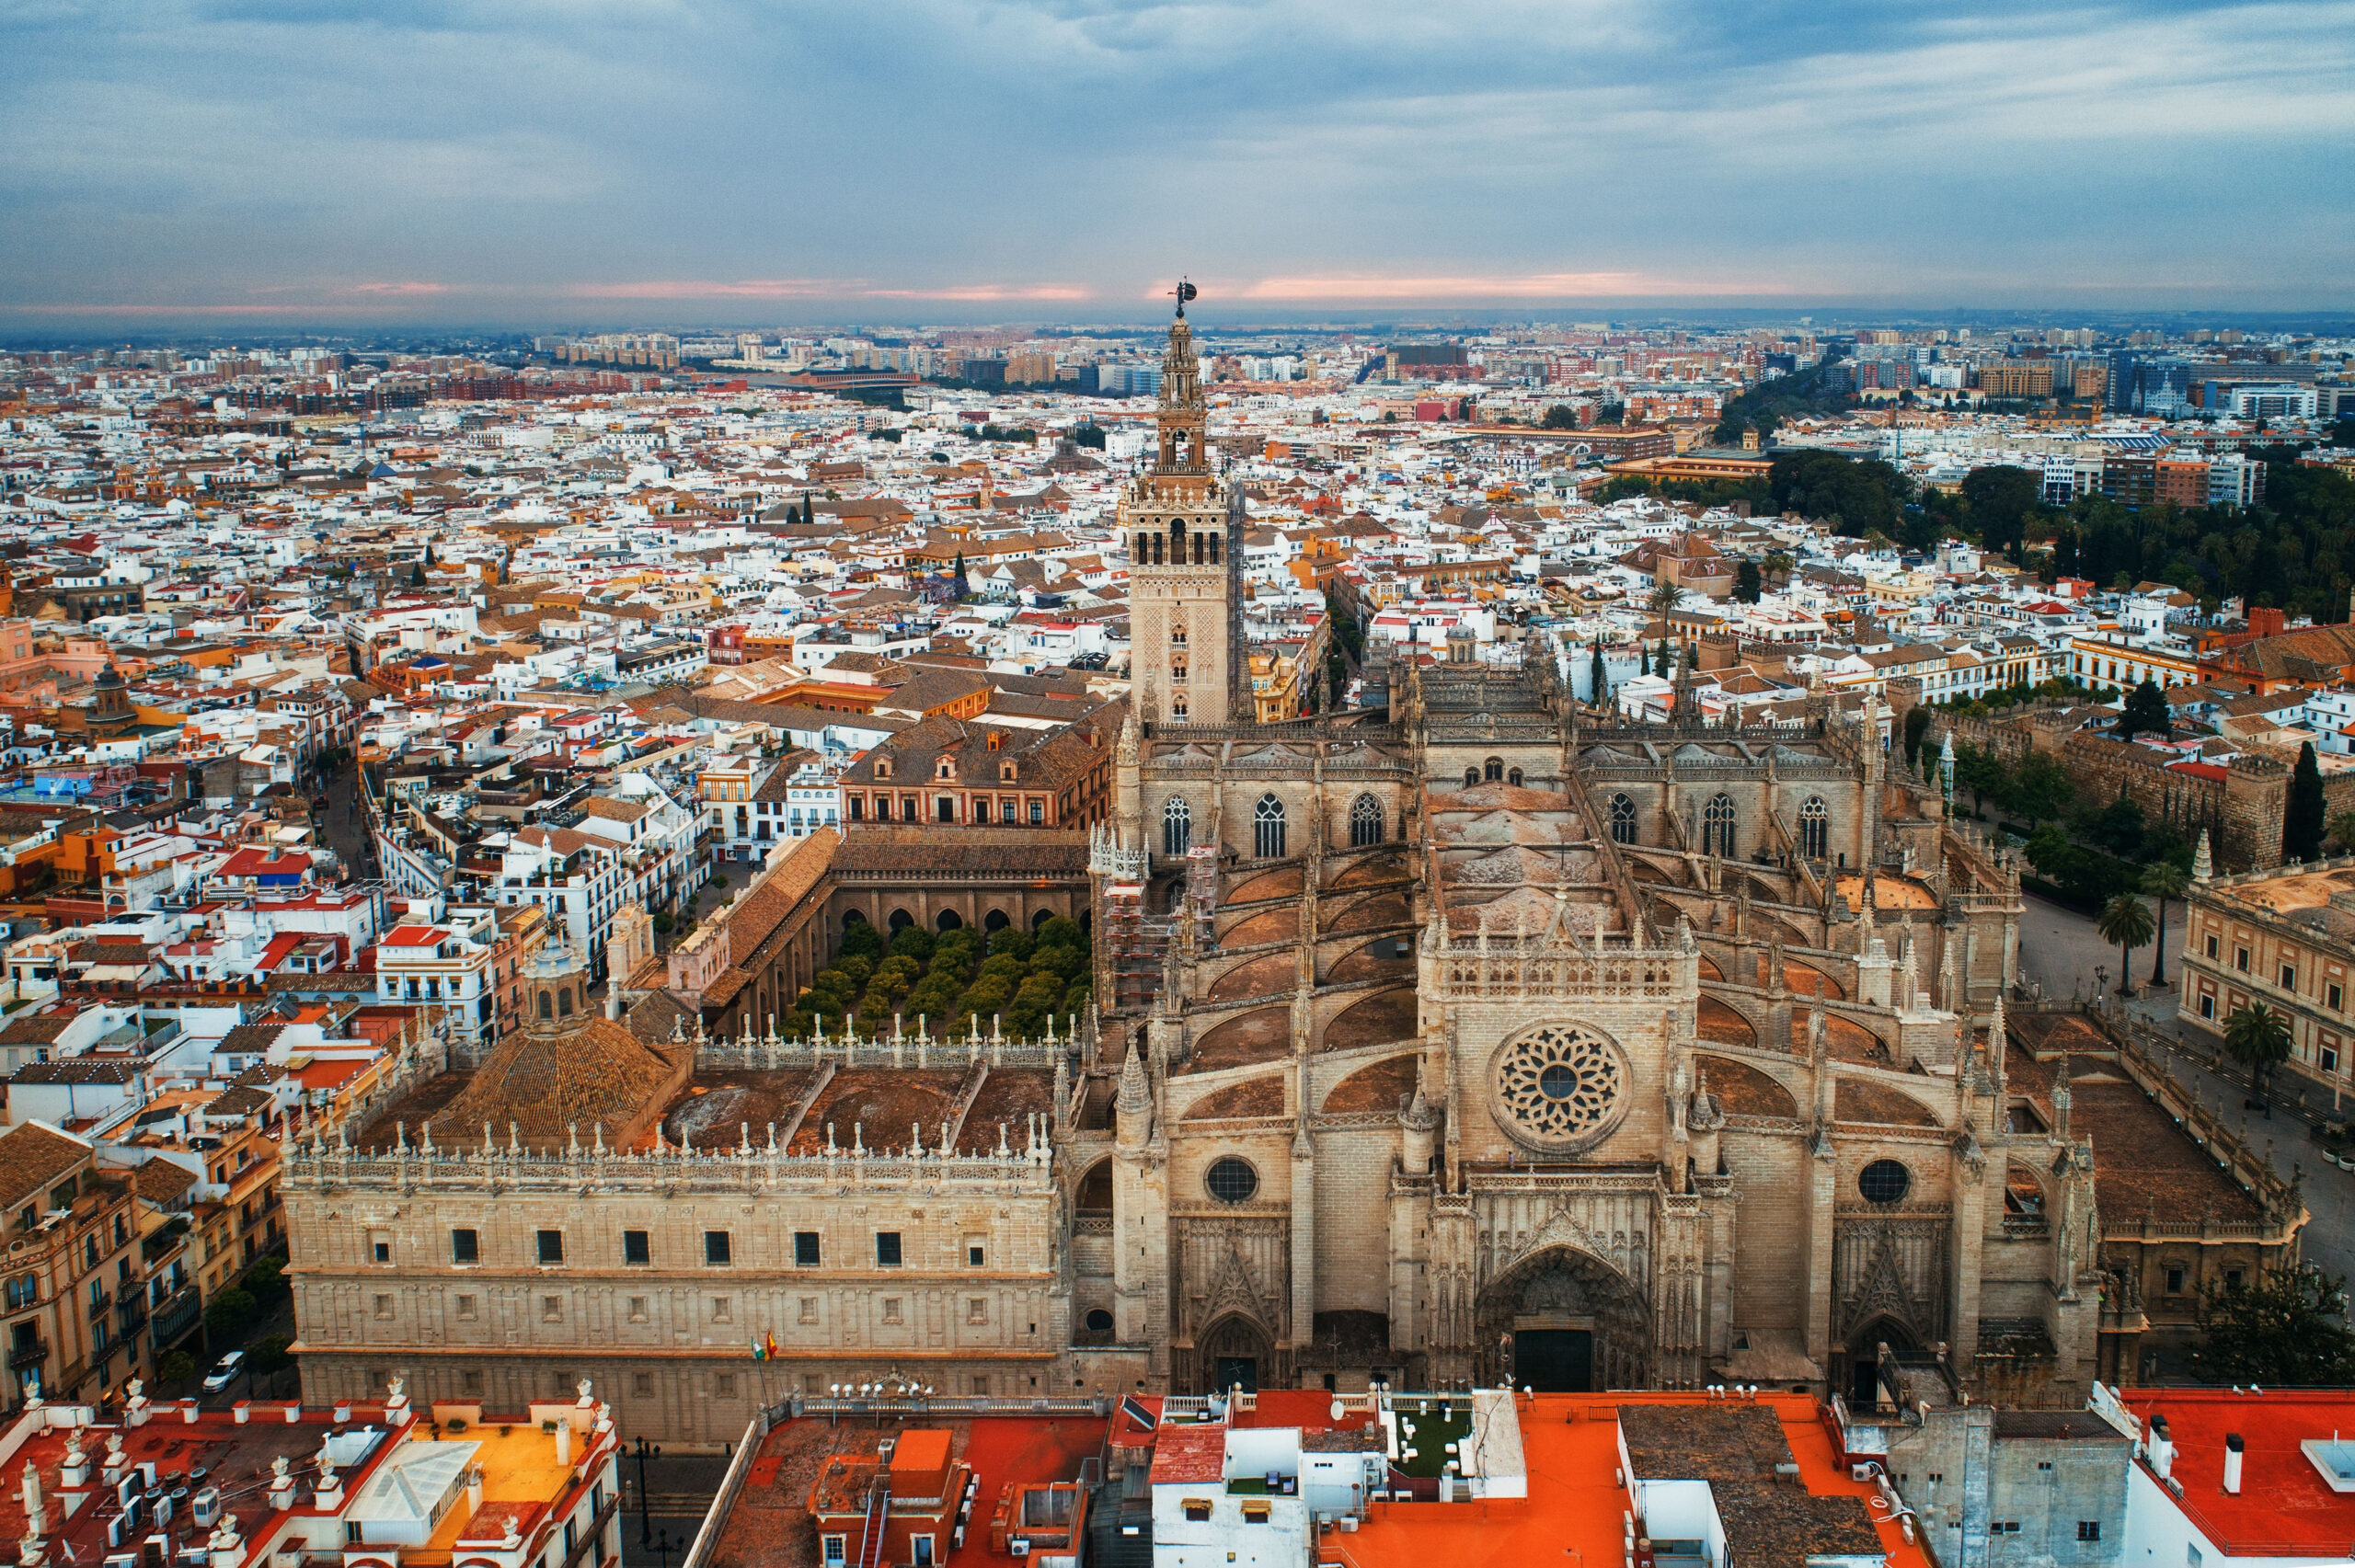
[(2203, 865)]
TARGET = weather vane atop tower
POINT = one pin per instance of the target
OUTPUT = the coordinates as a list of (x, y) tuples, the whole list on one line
[(1184, 291)]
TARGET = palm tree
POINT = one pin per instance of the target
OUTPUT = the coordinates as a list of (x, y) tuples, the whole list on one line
[(2126, 921), (2256, 1037), (1664, 596), (1779, 567), (2164, 880)]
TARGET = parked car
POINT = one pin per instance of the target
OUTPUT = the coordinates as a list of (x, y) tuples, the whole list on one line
[(225, 1372)]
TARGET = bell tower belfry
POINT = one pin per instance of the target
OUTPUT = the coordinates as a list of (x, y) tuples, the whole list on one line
[(1184, 530)]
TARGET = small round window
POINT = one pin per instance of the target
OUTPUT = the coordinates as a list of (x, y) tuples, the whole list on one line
[(1884, 1181), (1099, 1322), (1232, 1181)]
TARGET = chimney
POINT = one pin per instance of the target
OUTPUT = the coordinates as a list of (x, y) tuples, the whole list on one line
[(564, 1443), (474, 1490), (2162, 1450), (2233, 1446)]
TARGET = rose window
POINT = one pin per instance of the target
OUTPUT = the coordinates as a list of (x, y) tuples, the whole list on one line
[(1560, 1085)]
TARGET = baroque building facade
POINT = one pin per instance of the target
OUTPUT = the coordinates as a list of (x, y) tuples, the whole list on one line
[(1463, 1040)]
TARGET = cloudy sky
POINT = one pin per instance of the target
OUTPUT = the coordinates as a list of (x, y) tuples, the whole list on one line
[(622, 162)]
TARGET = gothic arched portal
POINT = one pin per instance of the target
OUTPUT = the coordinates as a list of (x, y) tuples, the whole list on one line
[(1564, 1322)]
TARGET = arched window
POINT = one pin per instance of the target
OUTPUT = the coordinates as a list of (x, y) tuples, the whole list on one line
[(1176, 827), (1623, 819), (563, 1002), (1213, 549), (1815, 827), (1716, 827), (949, 919), (1496, 766), (547, 1009), (1365, 821), (1512, 777), (1267, 828), (1471, 777)]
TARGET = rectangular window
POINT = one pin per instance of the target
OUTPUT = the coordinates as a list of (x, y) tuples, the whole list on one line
[(2211, 947), (551, 1308), (976, 1310), (2207, 1007), (723, 1385), (641, 1385), (2329, 1060), (637, 1248), (2334, 999), (466, 1309), (1197, 1510), (1037, 812), (2088, 1530), (718, 1246), (887, 1249), (2240, 959), (832, 1550), (2175, 1279), (945, 806), (637, 1314), (805, 1249), (551, 1246), (858, 808), (723, 1308), (381, 1251), (981, 1386), (892, 1310), (384, 1306), (809, 1309), (2288, 976), (977, 1254)]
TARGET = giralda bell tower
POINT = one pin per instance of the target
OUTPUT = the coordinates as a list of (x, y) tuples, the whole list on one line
[(1184, 534)]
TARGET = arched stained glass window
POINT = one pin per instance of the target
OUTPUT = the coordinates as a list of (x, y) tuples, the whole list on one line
[(1176, 827), (1267, 828)]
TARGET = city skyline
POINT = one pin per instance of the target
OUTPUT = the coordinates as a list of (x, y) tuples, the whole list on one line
[(225, 165)]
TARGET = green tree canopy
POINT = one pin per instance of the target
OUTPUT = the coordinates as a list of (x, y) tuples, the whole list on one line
[(2301, 821), (2257, 1038), (1747, 584), (2287, 1329), (1999, 499), (2126, 921), (2145, 712)]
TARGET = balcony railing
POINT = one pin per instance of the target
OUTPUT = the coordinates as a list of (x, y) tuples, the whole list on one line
[(99, 1303), (26, 1355)]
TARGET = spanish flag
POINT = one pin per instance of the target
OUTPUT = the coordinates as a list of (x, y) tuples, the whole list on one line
[(768, 1346)]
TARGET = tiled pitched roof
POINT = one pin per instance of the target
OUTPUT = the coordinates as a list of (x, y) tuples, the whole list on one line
[(34, 1157)]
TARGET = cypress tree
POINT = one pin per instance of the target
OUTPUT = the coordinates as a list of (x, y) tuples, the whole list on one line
[(2301, 824), (1598, 679), (1659, 660)]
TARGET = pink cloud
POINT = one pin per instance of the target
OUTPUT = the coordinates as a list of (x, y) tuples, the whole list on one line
[(1476, 286)]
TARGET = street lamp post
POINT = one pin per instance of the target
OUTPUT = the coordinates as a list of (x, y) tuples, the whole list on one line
[(645, 1524)]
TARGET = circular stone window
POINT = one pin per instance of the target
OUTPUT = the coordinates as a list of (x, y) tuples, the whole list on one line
[(1559, 1086), (1099, 1322), (1884, 1181), (1231, 1180)]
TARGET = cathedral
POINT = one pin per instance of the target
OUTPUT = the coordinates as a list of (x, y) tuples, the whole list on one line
[(1469, 1038), (1478, 1038)]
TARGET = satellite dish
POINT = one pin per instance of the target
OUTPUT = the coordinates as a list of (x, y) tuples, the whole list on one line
[(1336, 1409)]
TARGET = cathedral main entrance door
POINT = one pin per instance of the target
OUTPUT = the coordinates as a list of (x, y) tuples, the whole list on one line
[(1553, 1361), (1566, 1321)]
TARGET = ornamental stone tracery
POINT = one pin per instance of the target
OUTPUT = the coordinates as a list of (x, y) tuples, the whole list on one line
[(1558, 1088)]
